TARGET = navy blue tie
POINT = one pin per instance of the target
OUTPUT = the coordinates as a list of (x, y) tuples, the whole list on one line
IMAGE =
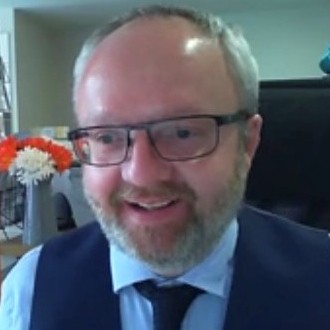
[(169, 303)]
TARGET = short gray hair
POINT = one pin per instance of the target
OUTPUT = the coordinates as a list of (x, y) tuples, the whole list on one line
[(242, 64)]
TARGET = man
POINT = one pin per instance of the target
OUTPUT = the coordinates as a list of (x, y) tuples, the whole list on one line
[(166, 102)]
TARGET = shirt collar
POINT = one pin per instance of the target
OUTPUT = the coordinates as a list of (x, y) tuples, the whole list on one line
[(212, 275)]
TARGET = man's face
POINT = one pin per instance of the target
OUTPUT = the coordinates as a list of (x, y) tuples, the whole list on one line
[(168, 214)]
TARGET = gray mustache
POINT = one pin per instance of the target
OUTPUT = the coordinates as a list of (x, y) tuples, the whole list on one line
[(162, 190)]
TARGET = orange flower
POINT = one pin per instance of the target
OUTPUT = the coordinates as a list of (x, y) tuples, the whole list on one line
[(10, 146), (62, 156), (35, 142), (8, 151)]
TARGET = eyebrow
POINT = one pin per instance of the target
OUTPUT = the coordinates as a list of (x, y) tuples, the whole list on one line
[(99, 119)]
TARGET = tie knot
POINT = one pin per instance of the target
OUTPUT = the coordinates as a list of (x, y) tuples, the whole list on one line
[(169, 303), (151, 291)]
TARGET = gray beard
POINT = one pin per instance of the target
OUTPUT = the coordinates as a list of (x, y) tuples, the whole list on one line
[(202, 234)]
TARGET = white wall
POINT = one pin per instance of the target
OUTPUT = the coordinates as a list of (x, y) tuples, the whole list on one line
[(68, 44), (37, 73), (287, 43)]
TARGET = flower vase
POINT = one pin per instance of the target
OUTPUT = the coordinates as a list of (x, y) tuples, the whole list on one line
[(39, 217)]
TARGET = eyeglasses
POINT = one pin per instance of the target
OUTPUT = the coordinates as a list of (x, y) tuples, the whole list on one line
[(175, 139)]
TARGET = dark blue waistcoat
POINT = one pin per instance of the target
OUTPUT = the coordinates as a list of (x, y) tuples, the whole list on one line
[(281, 279)]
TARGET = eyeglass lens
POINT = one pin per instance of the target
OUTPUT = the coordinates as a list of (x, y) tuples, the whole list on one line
[(173, 140)]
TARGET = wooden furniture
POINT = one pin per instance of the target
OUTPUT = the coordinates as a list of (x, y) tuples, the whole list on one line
[(13, 247)]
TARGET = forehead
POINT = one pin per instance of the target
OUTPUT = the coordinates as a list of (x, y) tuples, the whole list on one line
[(158, 67)]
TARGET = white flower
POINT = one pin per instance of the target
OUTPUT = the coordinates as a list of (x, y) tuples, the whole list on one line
[(32, 165)]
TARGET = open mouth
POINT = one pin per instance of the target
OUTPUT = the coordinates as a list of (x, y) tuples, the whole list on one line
[(153, 211), (152, 206)]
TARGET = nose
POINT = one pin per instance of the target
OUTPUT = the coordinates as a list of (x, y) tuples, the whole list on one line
[(143, 166)]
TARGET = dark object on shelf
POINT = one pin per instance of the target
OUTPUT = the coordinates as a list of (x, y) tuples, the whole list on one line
[(325, 62), (291, 171), (63, 212), (12, 202)]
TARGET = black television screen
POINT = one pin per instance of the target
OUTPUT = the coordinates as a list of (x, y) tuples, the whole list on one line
[(292, 163)]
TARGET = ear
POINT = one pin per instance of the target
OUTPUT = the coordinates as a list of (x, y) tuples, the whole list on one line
[(252, 137)]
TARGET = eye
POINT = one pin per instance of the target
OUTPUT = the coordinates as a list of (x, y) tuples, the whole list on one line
[(110, 137), (105, 138), (183, 133)]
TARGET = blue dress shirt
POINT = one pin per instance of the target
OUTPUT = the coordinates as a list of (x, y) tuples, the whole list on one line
[(208, 311)]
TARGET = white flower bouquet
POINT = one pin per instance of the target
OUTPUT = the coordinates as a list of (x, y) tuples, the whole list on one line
[(33, 159)]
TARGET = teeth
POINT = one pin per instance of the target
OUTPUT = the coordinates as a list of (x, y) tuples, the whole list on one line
[(154, 205)]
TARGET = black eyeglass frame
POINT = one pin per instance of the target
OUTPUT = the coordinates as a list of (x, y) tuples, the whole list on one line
[(225, 119)]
